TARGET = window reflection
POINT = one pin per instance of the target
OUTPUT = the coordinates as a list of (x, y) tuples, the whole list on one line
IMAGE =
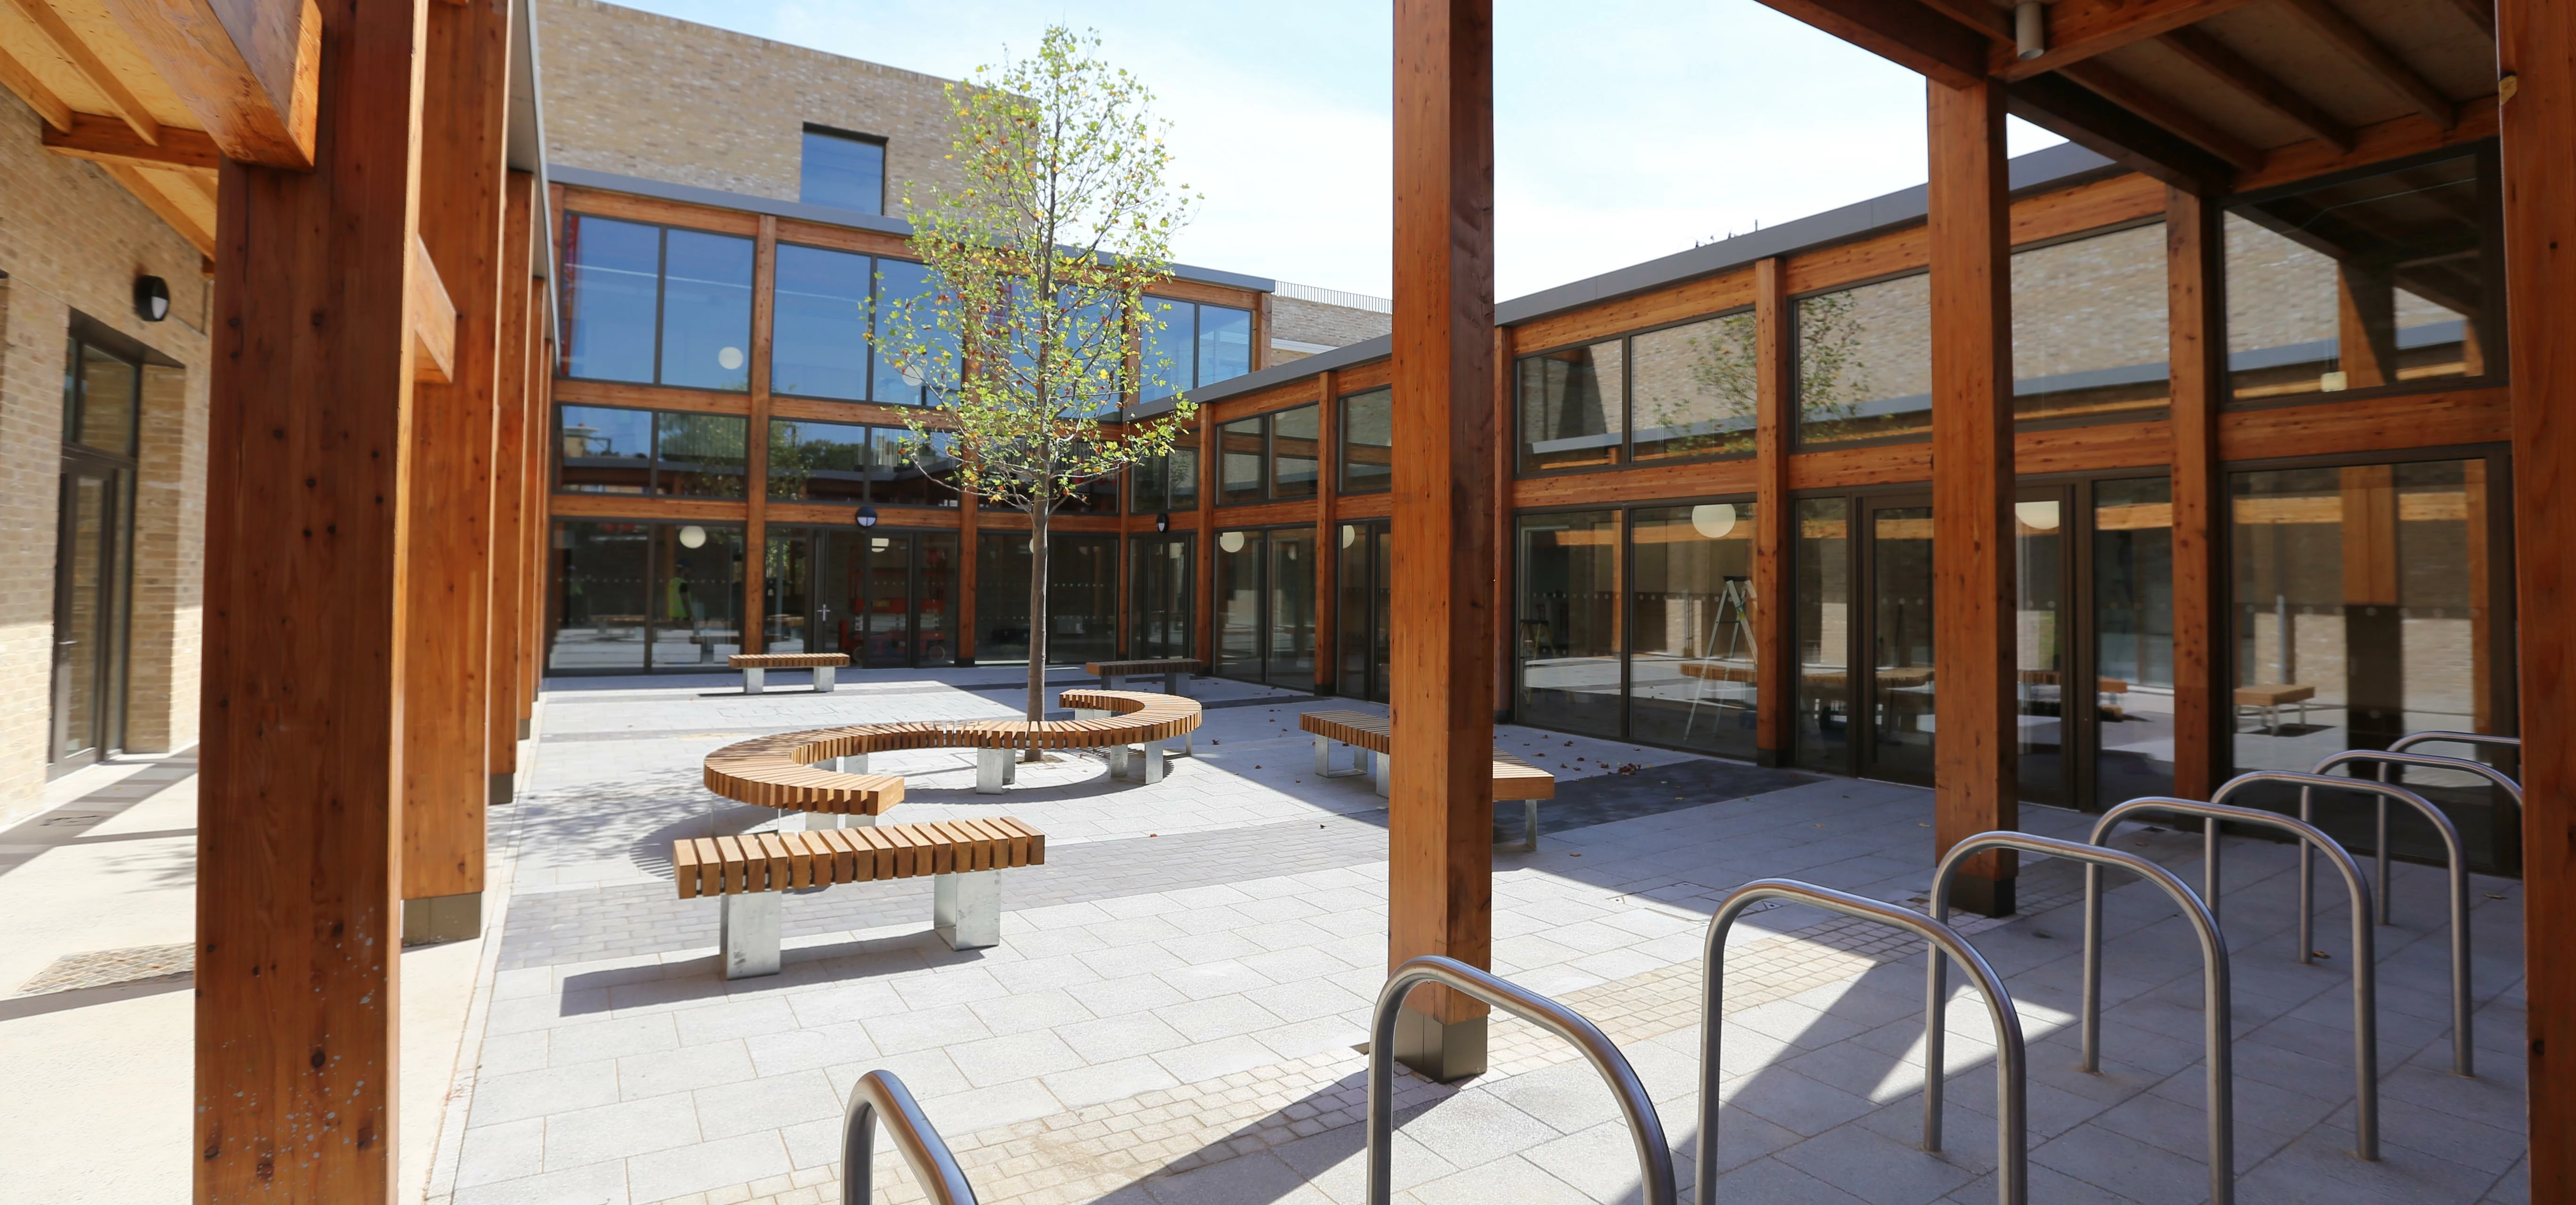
[(2089, 328), (1692, 652), (612, 294), (612, 450), (2133, 638), (818, 462), (1822, 724), (1242, 449), (1865, 362), (1295, 439), (1568, 634), (1368, 442), (844, 171), (706, 310), (1195, 345), (819, 341), (1693, 388), (634, 597), (1082, 586), (1159, 581), (1573, 407)]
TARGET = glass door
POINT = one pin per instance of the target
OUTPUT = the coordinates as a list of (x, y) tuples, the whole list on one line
[(89, 628), (2051, 700), (1898, 585), (934, 594), (884, 581), (1362, 611)]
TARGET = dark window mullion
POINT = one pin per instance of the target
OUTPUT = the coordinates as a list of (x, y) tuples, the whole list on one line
[(661, 301)]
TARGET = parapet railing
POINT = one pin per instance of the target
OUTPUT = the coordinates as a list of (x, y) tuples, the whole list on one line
[(2462, 1060), (2365, 955), (879, 1093), (1645, 1129), (2012, 1123), (2217, 1006)]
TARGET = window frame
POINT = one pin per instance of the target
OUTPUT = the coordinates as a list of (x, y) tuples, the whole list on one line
[(653, 462), (1269, 457), (661, 298), (885, 155), (1795, 419), (1342, 442), (1627, 400)]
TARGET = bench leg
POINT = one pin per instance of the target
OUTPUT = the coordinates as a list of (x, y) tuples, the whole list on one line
[(1323, 758), (966, 909), (1109, 681), (992, 770), (1011, 767), (1153, 762), (753, 680), (1531, 826), (750, 927), (856, 763), (1377, 771), (823, 679), (1171, 682), (1119, 764)]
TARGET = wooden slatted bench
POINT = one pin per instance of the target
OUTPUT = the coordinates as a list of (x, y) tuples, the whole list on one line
[(755, 668), (1109, 672), (962, 858), (1374, 738)]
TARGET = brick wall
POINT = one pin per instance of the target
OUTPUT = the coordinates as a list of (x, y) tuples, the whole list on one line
[(1301, 320)]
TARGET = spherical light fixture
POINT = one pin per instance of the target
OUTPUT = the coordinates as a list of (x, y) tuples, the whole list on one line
[(1713, 520), (1231, 541), (693, 536), (867, 517), (729, 358), (2037, 516)]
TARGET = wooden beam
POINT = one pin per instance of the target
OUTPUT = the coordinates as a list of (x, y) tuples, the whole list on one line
[(2480, 13), (2338, 30), (447, 786), (163, 205), (1907, 33), (76, 51), (520, 423), (1440, 886), (299, 808), (433, 321), (247, 69), (2536, 50), (2157, 109), (2195, 309), (2082, 116), (110, 141), (2261, 87), (1775, 653), (1973, 626), (2081, 29), (15, 76)]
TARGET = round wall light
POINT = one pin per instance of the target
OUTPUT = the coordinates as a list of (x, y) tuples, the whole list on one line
[(729, 358), (867, 517), (693, 536), (1350, 535), (151, 298), (2038, 516), (1713, 520), (1231, 541), (1163, 522)]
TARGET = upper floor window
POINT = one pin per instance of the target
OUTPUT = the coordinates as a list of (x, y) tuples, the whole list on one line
[(614, 450), (1197, 345), (102, 394), (656, 305), (823, 337), (1167, 483), (1368, 442), (1686, 390), (2377, 281), (2089, 336), (842, 170), (1269, 457), (850, 463), (1865, 362)]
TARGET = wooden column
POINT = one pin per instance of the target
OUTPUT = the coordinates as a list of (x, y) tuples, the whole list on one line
[(1775, 649), (448, 557), (2537, 53), (1441, 808), (1972, 486), (966, 559), (755, 528), (1328, 546), (299, 804), (519, 422), (2195, 245)]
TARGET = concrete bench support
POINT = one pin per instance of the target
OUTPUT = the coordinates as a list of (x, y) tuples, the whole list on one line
[(1324, 759), (966, 909), (754, 681), (996, 769), (750, 933)]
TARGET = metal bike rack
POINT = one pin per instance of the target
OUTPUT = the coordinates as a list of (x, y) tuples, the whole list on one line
[(2365, 951), (2412, 739), (880, 1093), (2216, 1004), (1645, 1129), (2462, 1061), (2012, 1125)]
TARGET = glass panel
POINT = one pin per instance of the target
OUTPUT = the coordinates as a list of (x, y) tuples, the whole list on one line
[(1170, 363), (601, 597), (886, 599), (1295, 443), (1383, 561), (110, 393), (922, 477), (1159, 593), (1239, 472), (1149, 485), (1901, 640), (1225, 343), (1692, 653), (1693, 388), (82, 634), (1288, 654), (817, 462), (2361, 283), (2089, 332), (1368, 441), (706, 311), (842, 172), (819, 344), (699, 455), (787, 597), (1572, 412), (612, 279), (1184, 478), (1002, 596), (1569, 622), (1351, 610), (605, 451), (904, 287), (935, 601), (698, 621), (1238, 595), (2046, 702), (1865, 362), (1082, 598), (2133, 640), (1822, 733)]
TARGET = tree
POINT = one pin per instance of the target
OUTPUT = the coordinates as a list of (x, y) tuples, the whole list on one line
[(1029, 331)]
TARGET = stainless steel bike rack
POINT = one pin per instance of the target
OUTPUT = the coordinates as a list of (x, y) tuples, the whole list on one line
[(2012, 1125), (880, 1093), (2216, 1004), (2412, 739), (2462, 1061), (1645, 1129), (2365, 952)]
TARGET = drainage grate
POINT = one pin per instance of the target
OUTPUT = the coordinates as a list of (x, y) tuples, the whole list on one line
[(113, 968)]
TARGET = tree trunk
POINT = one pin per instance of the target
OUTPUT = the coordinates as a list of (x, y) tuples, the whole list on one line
[(1037, 617)]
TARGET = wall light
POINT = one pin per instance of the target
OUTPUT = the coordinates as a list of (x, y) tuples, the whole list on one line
[(151, 298), (2037, 516), (2030, 34), (867, 517), (693, 536), (1231, 541), (1714, 520)]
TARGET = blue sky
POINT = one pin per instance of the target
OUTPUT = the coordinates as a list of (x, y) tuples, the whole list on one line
[(1625, 129)]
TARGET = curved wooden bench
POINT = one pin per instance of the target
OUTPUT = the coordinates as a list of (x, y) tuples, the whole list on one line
[(755, 668), (1374, 735), (749, 871)]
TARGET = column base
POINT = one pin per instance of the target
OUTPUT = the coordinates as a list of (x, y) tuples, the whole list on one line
[(1437, 1050), (1982, 896), (435, 919), (1770, 759), (523, 730), (505, 788)]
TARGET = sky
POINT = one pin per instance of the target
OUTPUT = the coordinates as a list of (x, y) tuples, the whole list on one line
[(1624, 129)]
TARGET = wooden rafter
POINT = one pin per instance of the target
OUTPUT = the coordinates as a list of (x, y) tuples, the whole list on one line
[(254, 97), (2081, 29), (68, 43), (2479, 12), (161, 203), (2091, 120), (15, 76), (2154, 107), (2339, 31), (2257, 85), (107, 140)]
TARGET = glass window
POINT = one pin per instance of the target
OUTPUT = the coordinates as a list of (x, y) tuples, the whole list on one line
[(2364, 283), (646, 596), (896, 381), (918, 477), (1865, 362), (2046, 700), (819, 342), (106, 393), (612, 294), (699, 455), (844, 171), (1159, 581), (1162, 484), (1368, 442), (606, 451), (1171, 349), (1183, 474), (1693, 388), (818, 462), (1821, 723), (1572, 407), (2133, 637), (1900, 635), (1244, 447), (697, 621), (1239, 555), (2089, 331), (706, 310), (1225, 343), (1692, 652), (1362, 629), (1288, 644), (1295, 442), (1082, 583), (1569, 622)]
